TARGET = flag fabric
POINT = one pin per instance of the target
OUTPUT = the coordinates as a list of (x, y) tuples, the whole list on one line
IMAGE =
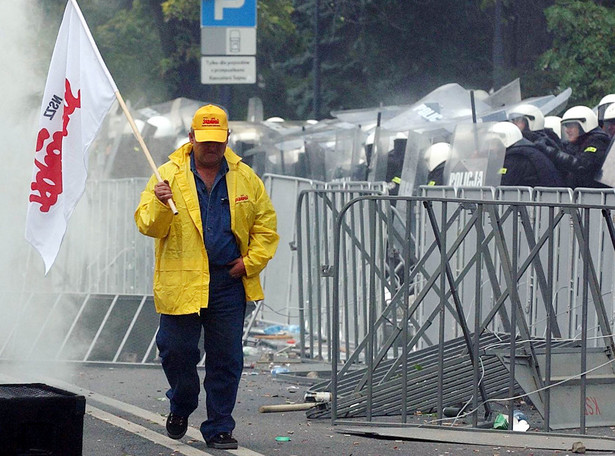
[(78, 95)]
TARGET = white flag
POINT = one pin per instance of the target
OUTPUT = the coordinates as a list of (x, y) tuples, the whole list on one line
[(78, 95)]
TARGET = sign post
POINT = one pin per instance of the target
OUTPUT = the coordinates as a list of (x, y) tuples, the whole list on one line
[(228, 41)]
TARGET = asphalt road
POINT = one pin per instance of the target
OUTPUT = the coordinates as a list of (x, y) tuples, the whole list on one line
[(126, 409)]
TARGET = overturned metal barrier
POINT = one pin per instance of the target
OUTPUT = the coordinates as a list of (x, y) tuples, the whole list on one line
[(381, 396), (472, 271)]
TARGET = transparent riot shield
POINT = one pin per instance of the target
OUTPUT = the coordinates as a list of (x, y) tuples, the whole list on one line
[(330, 151), (441, 106), (288, 157), (414, 171), (314, 160), (606, 175), (347, 155), (477, 157), (383, 144)]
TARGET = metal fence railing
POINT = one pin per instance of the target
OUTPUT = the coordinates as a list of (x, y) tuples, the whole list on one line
[(316, 211), (517, 294)]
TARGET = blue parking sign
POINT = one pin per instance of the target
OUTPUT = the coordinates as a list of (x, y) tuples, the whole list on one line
[(228, 13)]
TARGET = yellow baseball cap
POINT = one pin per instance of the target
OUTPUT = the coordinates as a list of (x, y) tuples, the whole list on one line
[(210, 124)]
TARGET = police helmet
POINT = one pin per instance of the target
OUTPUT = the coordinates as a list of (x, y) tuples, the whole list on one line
[(508, 132), (604, 103), (555, 124), (436, 154), (534, 116), (609, 113), (582, 115)]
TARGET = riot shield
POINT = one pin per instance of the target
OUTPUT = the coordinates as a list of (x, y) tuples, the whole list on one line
[(439, 107), (348, 154), (383, 143), (315, 160), (287, 157), (415, 171), (332, 150), (477, 157), (606, 175)]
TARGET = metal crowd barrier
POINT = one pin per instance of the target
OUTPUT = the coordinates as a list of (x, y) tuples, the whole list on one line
[(497, 298), (316, 211), (105, 265), (280, 276), (102, 251)]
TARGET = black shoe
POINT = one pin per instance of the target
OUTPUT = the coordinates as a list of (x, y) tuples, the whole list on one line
[(176, 426), (223, 441)]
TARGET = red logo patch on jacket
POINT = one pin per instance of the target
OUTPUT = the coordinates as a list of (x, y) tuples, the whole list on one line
[(241, 199)]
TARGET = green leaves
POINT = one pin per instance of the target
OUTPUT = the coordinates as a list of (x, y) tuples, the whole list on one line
[(130, 43), (581, 56)]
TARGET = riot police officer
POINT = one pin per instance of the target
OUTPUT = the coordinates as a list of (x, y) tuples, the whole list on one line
[(606, 101), (436, 156), (531, 122), (524, 163), (585, 148)]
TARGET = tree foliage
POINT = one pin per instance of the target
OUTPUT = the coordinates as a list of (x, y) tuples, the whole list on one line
[(131, 45), (371, 51), (581, 56)]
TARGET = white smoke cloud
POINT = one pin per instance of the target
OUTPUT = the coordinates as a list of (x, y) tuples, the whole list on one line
[(21, 83), (25, 57)]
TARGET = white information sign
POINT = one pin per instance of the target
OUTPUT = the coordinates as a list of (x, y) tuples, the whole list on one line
[(228, 41), (228, 70)]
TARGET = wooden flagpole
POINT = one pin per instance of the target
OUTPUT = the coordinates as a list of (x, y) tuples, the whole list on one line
[(120, 100), (137, 134)]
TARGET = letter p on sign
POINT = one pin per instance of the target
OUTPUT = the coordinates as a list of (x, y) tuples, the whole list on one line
[(221, 5)]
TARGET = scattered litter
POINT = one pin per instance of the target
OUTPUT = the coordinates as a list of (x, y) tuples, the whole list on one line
[(519, 415), (249, 351), (501, 422), (318, 396), (280, 336), (279, 370), (286, 407), (578, 447), (282, 438), (519, 425), (451, 412)]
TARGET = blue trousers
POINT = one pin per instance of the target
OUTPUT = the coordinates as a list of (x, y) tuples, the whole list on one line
[(178, 342)]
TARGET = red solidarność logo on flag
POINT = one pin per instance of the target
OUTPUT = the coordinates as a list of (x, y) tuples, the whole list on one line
[(48, 179)]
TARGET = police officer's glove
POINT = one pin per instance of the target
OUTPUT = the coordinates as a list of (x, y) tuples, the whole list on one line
[(548, 149)]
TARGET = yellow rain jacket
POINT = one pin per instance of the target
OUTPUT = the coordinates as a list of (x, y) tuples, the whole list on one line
[(181, 272)]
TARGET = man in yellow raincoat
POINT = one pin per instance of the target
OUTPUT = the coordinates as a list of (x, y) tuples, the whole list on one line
[(208, 260)]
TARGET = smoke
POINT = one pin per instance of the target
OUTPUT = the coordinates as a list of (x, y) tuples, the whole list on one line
[(22, 84), (25, 61)]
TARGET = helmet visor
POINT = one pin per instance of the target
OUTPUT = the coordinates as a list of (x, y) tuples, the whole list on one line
[(571, 130), (601, 110)]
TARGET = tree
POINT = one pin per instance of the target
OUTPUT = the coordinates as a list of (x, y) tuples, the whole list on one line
[(519, 38), (581, 56), (131, 45)]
